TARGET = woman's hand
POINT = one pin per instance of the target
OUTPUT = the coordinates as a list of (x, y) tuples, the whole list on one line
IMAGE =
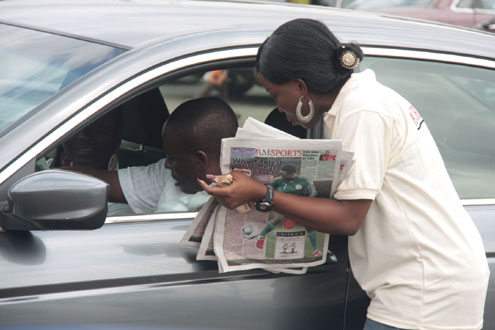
[(242, 190), (322, 214)]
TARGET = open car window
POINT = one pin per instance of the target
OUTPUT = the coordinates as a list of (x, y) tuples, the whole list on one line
[(143, 116), (237, 86)]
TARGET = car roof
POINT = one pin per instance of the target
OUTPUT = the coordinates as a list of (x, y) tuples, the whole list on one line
[(137, 23)]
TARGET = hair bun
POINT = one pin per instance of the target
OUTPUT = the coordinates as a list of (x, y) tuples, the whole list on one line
[(347, 57)]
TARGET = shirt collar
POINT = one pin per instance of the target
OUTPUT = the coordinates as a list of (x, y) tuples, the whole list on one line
[(349, 85)]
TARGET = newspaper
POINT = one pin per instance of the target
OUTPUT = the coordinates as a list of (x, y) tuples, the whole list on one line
[(269, 240), (206, 248), (194, 233)]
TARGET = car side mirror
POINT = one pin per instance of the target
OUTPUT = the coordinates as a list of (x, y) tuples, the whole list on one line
[(54, 200)]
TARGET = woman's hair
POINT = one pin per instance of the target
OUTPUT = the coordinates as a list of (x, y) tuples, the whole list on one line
[(305, 49)]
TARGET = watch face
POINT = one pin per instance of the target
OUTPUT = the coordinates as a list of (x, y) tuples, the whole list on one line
[(264, 206)]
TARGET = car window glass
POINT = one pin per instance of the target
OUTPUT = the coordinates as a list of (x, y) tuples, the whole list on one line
[(33, 72), (488, 4), (465, 4), (457, 103), (476, 4)]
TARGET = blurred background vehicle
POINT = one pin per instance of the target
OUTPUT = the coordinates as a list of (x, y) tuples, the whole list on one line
[(478, 14)]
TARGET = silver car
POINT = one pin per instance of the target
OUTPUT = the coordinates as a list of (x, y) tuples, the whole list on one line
[(64, 64)]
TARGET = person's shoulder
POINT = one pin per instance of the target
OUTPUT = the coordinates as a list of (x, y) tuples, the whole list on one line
[(156, 166), (154, 171), (370, 96)]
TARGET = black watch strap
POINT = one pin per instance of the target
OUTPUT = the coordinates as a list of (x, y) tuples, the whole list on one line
[(266, 204)]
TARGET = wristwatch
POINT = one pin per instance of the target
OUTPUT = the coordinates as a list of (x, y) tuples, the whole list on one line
[(266, 204)]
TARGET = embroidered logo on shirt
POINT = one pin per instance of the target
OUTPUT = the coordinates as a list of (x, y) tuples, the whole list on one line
[(416, 117)]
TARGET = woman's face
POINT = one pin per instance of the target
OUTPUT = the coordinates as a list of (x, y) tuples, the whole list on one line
[(286, 95)]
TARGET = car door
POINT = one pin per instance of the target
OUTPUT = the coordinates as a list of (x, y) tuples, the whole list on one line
[(132, 272)]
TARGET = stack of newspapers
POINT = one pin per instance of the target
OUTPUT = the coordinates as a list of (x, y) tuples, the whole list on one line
[(245, 238)]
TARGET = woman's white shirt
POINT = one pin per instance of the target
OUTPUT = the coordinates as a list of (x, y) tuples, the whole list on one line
[(418, 254)]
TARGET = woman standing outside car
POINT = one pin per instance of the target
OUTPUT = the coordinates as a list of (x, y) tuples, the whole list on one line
[(413, 248)]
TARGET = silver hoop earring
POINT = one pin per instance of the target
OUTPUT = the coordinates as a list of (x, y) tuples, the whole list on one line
[(305, 119)]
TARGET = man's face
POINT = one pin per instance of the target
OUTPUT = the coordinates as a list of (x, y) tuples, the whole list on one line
[(185, 166), (94, 145)]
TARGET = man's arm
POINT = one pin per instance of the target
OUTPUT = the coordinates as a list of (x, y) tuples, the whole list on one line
[(110, 177)]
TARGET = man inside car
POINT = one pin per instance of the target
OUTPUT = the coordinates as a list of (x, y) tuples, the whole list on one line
[(191, 139)]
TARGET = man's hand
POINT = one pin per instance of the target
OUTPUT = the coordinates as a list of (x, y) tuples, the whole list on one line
[(243, 189)]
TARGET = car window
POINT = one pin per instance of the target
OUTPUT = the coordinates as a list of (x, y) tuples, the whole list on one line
[(476, 4), (141, 119), (240, 88), (457, 103), (487, 4), (33, 72)]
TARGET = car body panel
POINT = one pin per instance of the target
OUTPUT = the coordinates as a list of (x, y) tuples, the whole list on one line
[(132, 271), (136, 271), (100, 25)]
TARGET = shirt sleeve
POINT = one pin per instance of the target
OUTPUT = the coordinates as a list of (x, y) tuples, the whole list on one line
[(143, 185), (186, 203), (367, 134)]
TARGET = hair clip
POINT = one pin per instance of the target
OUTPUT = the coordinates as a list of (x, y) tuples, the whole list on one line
[(348, 59)]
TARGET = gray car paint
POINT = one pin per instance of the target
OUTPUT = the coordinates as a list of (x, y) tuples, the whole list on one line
[(134, 274)]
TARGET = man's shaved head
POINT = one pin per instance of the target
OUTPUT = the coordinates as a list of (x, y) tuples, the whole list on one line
[(192, 139), (202, 123)]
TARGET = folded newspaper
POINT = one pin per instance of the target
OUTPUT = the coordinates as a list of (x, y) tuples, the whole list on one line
[(248, 238)]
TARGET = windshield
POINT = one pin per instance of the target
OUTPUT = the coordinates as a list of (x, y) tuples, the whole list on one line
[(36, 65)]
